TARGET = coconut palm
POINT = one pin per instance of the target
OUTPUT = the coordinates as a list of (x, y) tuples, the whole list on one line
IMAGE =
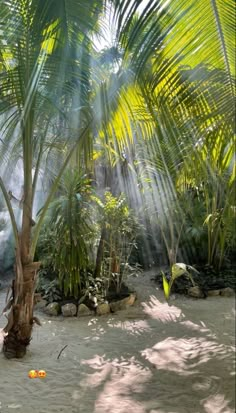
[(37, 78), (146, 97), (185, 72)]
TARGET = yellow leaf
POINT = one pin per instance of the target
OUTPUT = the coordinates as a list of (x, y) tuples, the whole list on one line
[(166, 287)]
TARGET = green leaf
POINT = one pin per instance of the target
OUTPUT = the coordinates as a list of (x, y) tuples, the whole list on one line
[(166, 287), (178, 270)]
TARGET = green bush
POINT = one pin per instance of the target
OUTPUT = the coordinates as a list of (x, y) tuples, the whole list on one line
[(68, 232), (49, 289), (121, 229)]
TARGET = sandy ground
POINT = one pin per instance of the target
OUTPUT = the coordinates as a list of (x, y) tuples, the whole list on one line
[(155, 358)]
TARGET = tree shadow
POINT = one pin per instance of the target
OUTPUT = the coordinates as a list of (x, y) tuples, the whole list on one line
[(155, 358), (156, 371)]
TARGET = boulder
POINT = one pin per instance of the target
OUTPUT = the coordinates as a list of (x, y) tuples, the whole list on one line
[(196, 292), (123, 304), (69, 310), (53, 309), (103, 308), (93, 301), (213, 293), (83, 310), (227, 292)]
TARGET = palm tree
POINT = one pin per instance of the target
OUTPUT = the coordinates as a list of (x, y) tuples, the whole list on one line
[(185, 72), (37, 39), (145, 97)]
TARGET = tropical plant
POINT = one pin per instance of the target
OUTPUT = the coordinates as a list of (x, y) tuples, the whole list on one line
[(68, 232), (189, 91), (177, 270), (95, 290), (200, 157), (48, 289), (194, 237), (157, 93), (119, 231), (36, 71)]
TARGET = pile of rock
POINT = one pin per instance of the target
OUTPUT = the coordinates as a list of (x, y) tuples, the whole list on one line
[(197, 292), (208, 283), (72, 310)]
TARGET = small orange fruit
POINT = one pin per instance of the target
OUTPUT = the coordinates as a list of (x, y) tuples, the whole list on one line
[(42, 374), (33, 374)]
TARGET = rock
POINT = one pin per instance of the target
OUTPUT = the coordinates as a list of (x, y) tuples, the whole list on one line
[(196, 292), (94, 301), (130, 300), (53, 309), (123, 304), (83, 310), (40, 305), (69, 310), (227, 292), (103, 308), (213, 293)]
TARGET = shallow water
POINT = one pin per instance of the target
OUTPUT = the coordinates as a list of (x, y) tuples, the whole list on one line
[(154, 358)]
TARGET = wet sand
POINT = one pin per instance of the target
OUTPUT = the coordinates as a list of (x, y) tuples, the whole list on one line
[(153, 358)]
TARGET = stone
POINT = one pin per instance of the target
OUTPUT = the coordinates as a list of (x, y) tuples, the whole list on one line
[(94, 301), (123, 304), (53, 309), (40, 305), (227, 292), (103, 308), (213, 293), (196, 292), (83, 310), (69, 310), (129, 301)]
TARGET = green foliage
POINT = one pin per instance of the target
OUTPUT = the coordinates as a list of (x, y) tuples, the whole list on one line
[(49, 289), (209, 211), (95, 289), (122, 228), (68, 232), (177, 271), (173, 90), (118, 217), (194, 239)]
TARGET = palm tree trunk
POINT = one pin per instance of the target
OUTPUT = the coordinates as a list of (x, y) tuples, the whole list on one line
[(20, 319)]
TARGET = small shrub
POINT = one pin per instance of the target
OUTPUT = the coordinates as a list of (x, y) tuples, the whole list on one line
[(120, 229), (49, 289), (68, 232)]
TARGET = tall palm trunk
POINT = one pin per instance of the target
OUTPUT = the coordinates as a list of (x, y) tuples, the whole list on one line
[(20, 319)]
